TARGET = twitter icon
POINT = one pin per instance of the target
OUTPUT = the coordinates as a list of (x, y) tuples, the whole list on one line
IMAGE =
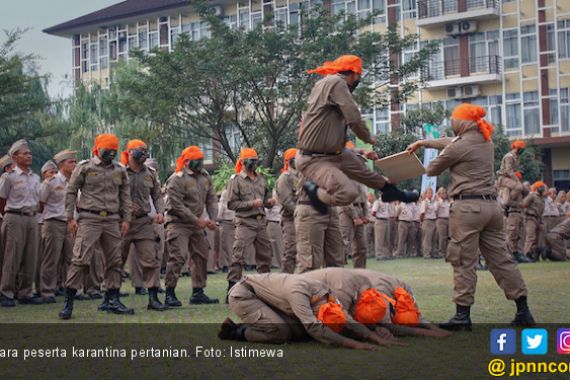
[(534, 341)]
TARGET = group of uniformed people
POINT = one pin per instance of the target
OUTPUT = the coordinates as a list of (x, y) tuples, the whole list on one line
[(97, 215)]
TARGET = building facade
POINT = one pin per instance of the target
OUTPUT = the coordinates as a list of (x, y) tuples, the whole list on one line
[(511, 57)]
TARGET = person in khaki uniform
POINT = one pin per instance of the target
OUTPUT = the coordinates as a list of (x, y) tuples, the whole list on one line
[(144, 186), (227, 230), (369, 228), (476, 218), (57, 240), (48, 171), (405, 212), (533, 205), (104, 216), (442, 222), (428, 216), (247, 196), (6, 165), (329, 168), (515, 223), (508, 184), (273, 216), (353, 220), (279, 307), (555, 239), (287, 190), (189, 191), (383, 231), (19, 201), (415, 237), (551, 214)]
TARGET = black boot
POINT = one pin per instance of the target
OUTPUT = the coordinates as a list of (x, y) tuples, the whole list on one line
[(391, 193), (68, 303), (520, 258), (153, 301), (115, 304), (461, 321), (199, 297), (230, 285), (105, 304), (231, 331), (141, 291), (311, 189), (170, 300), (523, 317)]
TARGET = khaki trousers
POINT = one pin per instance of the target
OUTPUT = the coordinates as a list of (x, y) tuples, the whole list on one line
[(319, 242), (534, 232), (405, 229), (250, 232), (370, 236), (91, 232), (515, 225), (416, 239), (276, 240), (57, 246), (393, 233), (354, 241), (333, 175), (143, 239), (184, 240), (556, 238), (382, 237), (39, 257), (442, 226), (478, 225), (429, 238), (20, 235), (228, 236), (289, 244)]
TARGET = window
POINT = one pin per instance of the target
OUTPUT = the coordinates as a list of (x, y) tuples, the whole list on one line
[(528, 40), (483, 52), (382, 122), (409, 9), (153, 40), (511, 49), (451, 56), (94, 56), (564, 39), (174, 36), (553, 108), (531, 113), (280, 17), (364, 9), (294, 14), (565, 109), (133, 41), (256, 19), (380, 7), (513, 114), (231, 22), (494, 110), (143, 39)]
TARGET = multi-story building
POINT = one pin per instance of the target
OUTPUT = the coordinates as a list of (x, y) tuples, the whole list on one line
[(511, 57)]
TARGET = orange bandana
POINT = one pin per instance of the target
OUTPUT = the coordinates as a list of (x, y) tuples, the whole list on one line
[(466, 111), (342, 63), (332, 315), (288, 156), (105, 141), (519, 175), (133, 144), (371, 307), (537, 184), (245, 154), (407, 312), (518, 144), (188, 154)]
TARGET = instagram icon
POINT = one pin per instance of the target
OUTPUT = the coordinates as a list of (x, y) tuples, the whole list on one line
[(563, 341)]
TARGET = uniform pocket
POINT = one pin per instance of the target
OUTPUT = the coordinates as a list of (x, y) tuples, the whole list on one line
[(468, 208), (453, 255)]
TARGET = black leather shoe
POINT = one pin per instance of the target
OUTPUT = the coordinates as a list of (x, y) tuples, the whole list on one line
[(104, 306), (141, 291), (160, 290), (153, 301), (82, 297), (115, 304), (170, 299), (50, 299), (31, 301), (311, 189), (200, 298), (8, 302), (461, 321), (95, 296), (68, 303), (59, 292), (523, 317), (521, 259)]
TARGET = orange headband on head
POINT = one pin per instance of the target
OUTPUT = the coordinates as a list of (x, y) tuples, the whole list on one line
[(342, 63), (537, 184), (467, 111), (519, 175), (105, 141), (332, 315), (245, 154), (518, 144), (407, 312), (371, 307), (190, 153), (133, 144), (288, 156)]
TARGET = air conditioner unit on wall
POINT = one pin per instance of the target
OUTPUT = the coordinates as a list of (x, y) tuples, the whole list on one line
[(216, 10), (462, 27), (454, 93), (471, 91)]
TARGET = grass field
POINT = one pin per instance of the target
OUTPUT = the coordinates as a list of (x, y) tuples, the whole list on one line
[(461, 356), (431, 280)]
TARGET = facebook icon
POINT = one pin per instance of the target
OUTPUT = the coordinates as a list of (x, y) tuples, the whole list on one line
[(503, 341)]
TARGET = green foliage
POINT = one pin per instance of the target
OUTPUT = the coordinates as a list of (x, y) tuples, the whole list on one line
[(413, 119), (531, 164), (225, 170), (388, 145)]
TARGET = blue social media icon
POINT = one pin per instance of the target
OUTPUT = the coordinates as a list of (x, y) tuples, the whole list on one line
[(503, 341), (534, 341)]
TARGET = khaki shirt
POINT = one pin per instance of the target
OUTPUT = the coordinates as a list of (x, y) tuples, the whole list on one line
[(442, 206), (393, 210), (52, 195), (224, 213), (292, 295), (429, 209), (380, 209), (21, 190), (469, 158), (534, 205), (287, 191), (103, 188), (242, 191), (188, 194), (359, 208), (509, 164), (406, 212), (273, 214), (145, 186), (330, 109), (550, 208)]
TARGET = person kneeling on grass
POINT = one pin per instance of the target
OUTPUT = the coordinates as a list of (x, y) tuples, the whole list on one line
[(278, 308)]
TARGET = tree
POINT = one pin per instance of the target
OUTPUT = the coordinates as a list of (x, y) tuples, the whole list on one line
[(255, 81)]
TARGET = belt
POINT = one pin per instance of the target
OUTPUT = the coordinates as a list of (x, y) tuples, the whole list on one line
[(100, 213), (361, 204), (381, 218), (479, 197), (405, 221), (258, 217), (441, 217), (305, 203), (23, 213), (273, 221), (319, 154), (55, 220)]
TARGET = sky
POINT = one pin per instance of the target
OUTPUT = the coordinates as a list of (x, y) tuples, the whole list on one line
[(54, 52)]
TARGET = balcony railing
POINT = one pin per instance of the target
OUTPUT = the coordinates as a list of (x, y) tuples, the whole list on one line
[(472, 66), (436, 8)]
